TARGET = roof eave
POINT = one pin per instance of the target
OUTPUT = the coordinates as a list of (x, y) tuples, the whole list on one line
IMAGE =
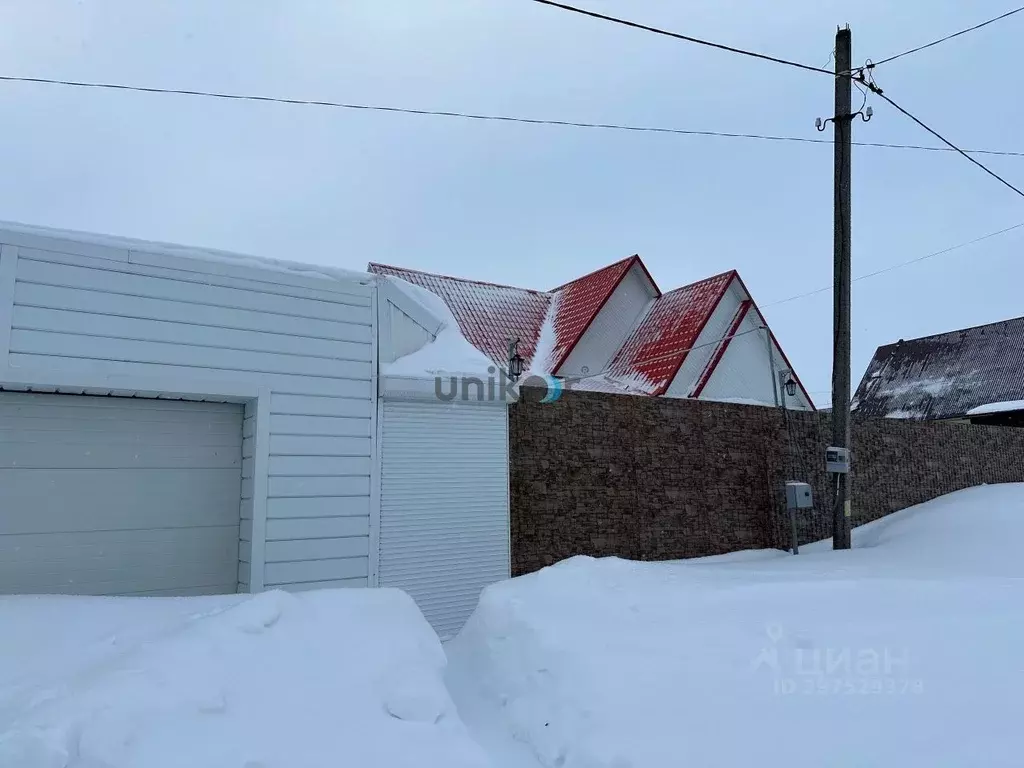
[(633, 261), (775, 341), (733, 275)]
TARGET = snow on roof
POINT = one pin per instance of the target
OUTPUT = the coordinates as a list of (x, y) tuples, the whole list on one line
[(549, 324), (449, 352), (656, 349), (946, 375), (542, 361), (616, 385), (579, 302), (487, 313), (132, 245), (1007, 407)]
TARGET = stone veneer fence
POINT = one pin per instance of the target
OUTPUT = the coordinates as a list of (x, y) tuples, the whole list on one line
[(657, 478)]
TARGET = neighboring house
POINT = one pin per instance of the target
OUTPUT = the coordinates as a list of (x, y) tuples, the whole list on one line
[(176, 421), (974, 374), (615, 331)]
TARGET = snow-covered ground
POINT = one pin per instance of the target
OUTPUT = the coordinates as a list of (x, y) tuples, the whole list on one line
[(905, 651), (333, 678)]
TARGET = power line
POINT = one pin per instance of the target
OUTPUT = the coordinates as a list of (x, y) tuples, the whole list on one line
[(483, 117), (900, 265), (947, 142), (677, 36), (817, 291), (944, 39), (668, 355), (824, 289)]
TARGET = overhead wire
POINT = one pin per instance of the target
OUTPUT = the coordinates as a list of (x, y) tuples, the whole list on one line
[(482, 116), (678, 36), (899, 266), (760, 307), (878, 92), (950, 147), (944, 39)]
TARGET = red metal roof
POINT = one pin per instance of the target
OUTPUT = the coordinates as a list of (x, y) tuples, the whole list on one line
[(656, 349), (578, 303), (487, 313), (648, 361)]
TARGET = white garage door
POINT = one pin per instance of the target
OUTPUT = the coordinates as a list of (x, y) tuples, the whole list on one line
[(118, 496), (444, 529)]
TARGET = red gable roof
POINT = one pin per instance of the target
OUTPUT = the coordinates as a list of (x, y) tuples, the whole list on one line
[(655, 351), (580, 300), (488, 314)]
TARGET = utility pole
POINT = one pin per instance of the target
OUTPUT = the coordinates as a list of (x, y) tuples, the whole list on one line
[(843, 125)]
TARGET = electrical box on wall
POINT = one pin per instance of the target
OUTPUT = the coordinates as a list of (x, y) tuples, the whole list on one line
[(837, 460), (798, 496)]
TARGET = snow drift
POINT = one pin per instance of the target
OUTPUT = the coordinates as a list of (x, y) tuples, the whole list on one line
[(345, 677), (449, 352), (903, 651)]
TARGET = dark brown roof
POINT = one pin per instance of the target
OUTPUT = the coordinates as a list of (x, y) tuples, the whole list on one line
[(944, 376)]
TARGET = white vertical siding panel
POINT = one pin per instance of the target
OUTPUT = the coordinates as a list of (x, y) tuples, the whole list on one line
[(745, 370), (404, 335), (613, 324), (444, 520), (93, 311), (697, 359), (8, 274), (259, 413)]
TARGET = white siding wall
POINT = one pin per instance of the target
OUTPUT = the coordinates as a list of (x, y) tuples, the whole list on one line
[(704, 349), (404, 326), (123, 316), (613, 323), (444, 529), (745, 370), (245, 550)]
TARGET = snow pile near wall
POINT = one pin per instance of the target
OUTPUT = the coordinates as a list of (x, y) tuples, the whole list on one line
[(1005, 407), (344, 677), (450, 353), (903, 651)]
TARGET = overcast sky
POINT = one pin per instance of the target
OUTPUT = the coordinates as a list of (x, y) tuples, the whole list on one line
[(532, 206)]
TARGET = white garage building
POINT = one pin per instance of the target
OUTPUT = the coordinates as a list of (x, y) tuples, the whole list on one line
[(179, 422)]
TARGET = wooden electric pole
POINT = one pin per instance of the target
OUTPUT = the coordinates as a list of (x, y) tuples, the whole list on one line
[(843, 124)]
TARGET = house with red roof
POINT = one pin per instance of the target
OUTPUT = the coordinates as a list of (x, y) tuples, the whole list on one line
[(614, 330)]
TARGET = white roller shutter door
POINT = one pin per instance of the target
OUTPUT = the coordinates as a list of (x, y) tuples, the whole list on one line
[(444, 531), (118, 496)]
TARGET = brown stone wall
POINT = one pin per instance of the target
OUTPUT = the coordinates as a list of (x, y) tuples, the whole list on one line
[(657, 478)]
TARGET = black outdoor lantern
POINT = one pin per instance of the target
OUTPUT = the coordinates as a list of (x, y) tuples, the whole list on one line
[(516, 364), (791, 386)]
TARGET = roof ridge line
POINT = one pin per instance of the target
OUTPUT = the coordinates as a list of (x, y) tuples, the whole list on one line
[(955, 330), (702, 280), (593, 272), (459, 279)]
